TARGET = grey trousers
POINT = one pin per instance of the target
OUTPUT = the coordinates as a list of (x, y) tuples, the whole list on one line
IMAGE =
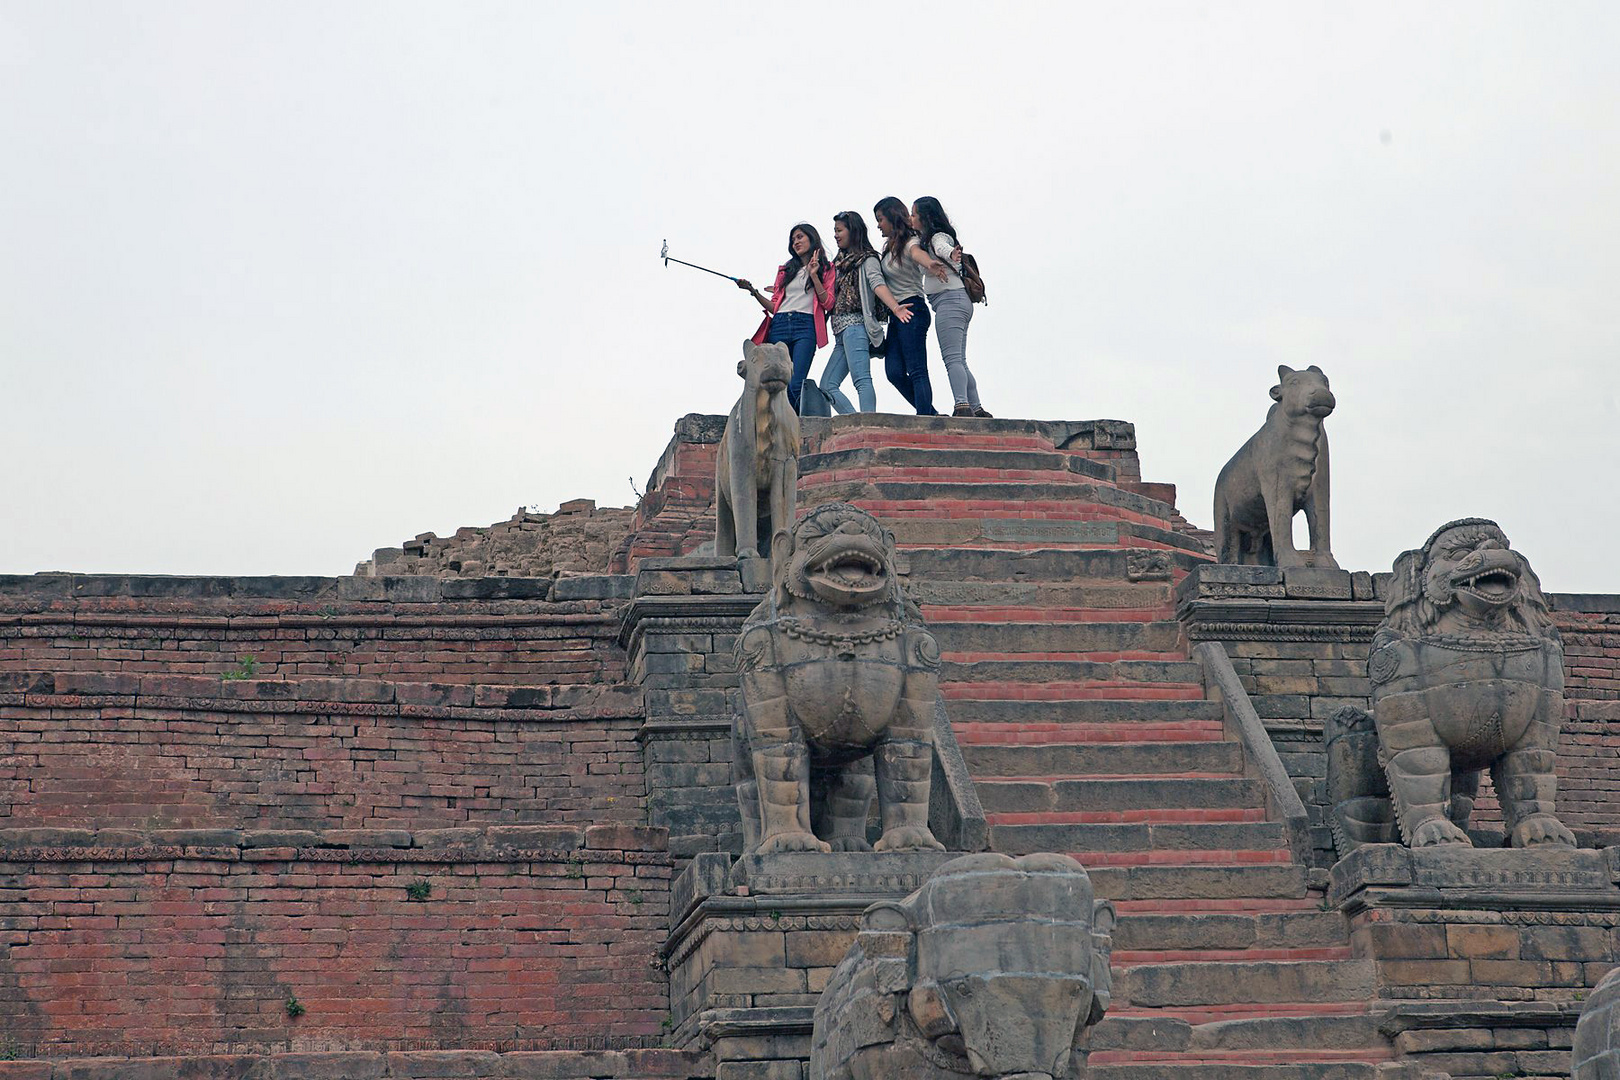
[(952, 313)]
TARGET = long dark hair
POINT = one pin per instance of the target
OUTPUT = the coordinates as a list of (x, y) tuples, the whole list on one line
[(900, 224), (931, 219), (790, 269), (860, 245)]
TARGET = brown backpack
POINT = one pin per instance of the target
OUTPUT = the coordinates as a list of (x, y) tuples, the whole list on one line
[(971, 279)]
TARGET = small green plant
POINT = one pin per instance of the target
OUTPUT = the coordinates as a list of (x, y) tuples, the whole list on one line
[(634, 896), (245, 668), (776, 916), (418, 890), (11, 1049), (668, 1023), (576, 867), (327, 612), (295, 1008)]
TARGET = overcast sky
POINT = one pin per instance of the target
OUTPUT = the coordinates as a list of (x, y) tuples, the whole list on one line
[(283, 283)]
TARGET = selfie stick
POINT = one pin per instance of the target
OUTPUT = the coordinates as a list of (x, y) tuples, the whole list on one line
[(664, 254)]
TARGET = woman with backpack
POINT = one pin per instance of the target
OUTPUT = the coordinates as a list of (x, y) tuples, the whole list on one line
[(856, 329), (906, 362), (796, 313), (937, 253)]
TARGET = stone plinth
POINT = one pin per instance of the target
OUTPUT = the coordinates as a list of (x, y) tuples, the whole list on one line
[(679, 632), (1482, 956), (752, 944)]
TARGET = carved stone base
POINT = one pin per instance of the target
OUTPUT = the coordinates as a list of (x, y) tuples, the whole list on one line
[(1482, 956), (753, 941)]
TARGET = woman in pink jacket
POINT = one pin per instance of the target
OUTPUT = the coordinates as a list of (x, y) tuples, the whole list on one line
[(796, 313)]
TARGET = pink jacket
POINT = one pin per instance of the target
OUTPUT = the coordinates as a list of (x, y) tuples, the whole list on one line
[(828, 277)]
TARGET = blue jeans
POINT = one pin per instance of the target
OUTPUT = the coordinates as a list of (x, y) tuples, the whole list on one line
[(796, 330), (850, 356), (906, 363)]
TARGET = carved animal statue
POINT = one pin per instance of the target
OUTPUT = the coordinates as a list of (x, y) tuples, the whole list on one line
[(839, 684), (1360, 811), (756, 472), (1597, 1032), (1467, 674), (1281, 470), (996, 967)]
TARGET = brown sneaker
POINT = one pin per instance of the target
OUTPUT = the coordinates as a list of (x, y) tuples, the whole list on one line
[(980, 410), (963, 410)]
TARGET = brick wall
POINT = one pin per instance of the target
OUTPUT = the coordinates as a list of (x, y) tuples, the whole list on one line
[(165, 943)]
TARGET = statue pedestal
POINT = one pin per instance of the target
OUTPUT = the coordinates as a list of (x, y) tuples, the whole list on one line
[(1483, 956), (753, 941)]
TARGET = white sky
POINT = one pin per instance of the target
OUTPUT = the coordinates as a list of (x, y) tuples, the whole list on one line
[(282, 283)]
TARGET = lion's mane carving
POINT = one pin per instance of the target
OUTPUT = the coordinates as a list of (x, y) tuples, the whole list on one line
[(839, 684), (1467, 674), (995, 967)]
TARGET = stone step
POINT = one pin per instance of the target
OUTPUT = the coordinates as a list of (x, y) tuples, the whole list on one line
[(1230, 930), (1182, 983), (1228, 857), (1106, 1066), (1171, 837), (1100, 499), (1184, 883), (1055, 565), (1159, 1030), (1014, 734), (1081, 711), (1180, 673), (1158, 640), (1118, 793), (1099, 595), (1109, 757), (965, 462)]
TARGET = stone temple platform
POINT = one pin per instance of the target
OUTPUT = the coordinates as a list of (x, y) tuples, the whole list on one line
[(483, 827)]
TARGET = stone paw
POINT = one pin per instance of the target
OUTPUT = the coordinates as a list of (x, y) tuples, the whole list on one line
[(792, 841), (850, 843), (909, 838), (1540, 829), (1437, 831)]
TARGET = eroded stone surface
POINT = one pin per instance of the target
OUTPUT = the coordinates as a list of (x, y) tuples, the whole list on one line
[(995, 967), (1281, 470), (1597, 1033)]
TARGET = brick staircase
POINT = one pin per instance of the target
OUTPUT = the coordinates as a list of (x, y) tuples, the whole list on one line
[(1045, 567)]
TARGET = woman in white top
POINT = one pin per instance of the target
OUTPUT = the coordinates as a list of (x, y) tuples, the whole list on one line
[(942, 284)]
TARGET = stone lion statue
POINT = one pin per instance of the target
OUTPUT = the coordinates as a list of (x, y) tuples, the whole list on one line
[(995, 967), (1467, 674), (839, 684)]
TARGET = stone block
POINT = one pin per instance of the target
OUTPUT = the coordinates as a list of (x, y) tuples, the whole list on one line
[(627, 837), (1316, 583), (759, 1070), (1482, 942), (1429, 1042), (592, 587), (444, 1064), (818, 948), (347, 1065), (838, 873), (562, 1064)]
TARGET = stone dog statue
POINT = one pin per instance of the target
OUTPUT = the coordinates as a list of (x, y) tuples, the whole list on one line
[(1467, 674), (1281, 470), (839, 685), (995, 967), (756, 472)]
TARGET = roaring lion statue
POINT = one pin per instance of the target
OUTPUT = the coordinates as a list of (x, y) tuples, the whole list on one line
[(1467, 674), (839, 684), (995, 967)]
